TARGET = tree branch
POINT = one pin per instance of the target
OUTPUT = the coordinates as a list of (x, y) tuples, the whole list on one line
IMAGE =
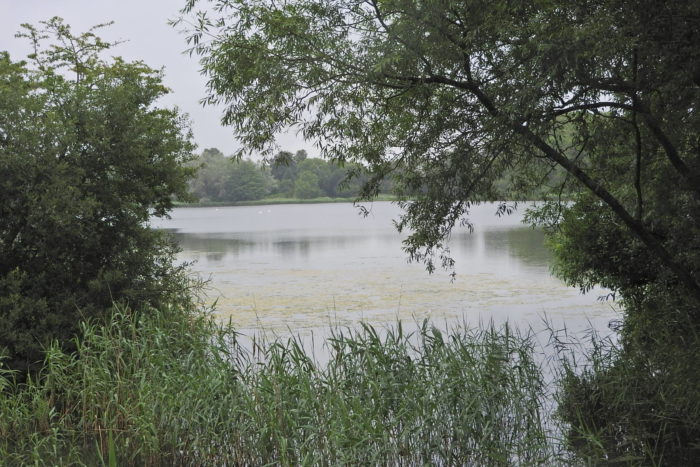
[(638, 144), (637, 228), (691, 177)]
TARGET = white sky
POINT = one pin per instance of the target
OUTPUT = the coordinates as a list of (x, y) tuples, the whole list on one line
[(143, 24)]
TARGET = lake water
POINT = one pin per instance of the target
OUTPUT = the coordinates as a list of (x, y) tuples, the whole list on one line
[(303, 268)]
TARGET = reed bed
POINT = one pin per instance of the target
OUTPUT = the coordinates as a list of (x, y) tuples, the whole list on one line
[(171, 387)]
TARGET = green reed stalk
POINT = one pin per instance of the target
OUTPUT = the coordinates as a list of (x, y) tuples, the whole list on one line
[(174, 388)]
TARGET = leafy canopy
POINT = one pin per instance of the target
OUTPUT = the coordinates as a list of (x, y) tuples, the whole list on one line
[(448, 96)]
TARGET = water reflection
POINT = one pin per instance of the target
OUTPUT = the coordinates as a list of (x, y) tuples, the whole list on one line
[(522, 243), (232, 247)]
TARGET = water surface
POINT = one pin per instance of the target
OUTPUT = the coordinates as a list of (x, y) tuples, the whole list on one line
[(302, 267)]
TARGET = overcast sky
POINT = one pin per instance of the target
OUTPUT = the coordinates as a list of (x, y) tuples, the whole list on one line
[(143, 24)]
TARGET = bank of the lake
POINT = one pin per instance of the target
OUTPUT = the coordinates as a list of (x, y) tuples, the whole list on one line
[(273, 201)]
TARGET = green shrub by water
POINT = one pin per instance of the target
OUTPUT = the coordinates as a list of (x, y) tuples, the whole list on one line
[(635, 402), (174, 388)]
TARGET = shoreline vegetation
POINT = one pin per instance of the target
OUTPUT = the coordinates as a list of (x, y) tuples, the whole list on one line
[(174, 387), (272, 201), (328, 200)]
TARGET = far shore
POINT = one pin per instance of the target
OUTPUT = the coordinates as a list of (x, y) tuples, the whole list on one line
[(324, 200), (264, 201)]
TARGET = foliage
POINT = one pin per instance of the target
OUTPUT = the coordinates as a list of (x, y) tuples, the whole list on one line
[(211, 169), (222, 179), (85, 159), (245, 182), (306, 186), (633, 404), (448, 96), (303, 177), (173, 388), (451, 99), (283, 168)]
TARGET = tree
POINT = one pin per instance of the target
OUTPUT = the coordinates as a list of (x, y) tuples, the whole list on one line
[(245, 181), (303, 177), (321, 171), (283, 168), (331, 179), (455, 93), (212, 167), (306, 185), (222, 179), (449, 97), (300, 156), (86, 158)]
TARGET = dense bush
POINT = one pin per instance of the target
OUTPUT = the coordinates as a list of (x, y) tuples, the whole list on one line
[(636, 401), (85, 159)]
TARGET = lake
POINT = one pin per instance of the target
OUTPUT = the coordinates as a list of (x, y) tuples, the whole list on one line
[(303, 268)]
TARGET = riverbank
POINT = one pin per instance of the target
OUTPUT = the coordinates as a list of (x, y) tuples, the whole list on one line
[(266, 201)]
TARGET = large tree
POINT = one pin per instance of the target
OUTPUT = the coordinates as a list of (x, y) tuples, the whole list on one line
[(453, 94), (86, 157), (223, 179), (212, 167)]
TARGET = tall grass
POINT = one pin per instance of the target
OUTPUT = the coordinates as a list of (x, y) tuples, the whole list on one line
[(173, 388)]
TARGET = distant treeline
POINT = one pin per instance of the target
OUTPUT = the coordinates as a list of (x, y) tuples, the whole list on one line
[(287, 175), (222, 179)]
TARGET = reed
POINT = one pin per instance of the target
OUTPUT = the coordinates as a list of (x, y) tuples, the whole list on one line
[(169, 387)]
